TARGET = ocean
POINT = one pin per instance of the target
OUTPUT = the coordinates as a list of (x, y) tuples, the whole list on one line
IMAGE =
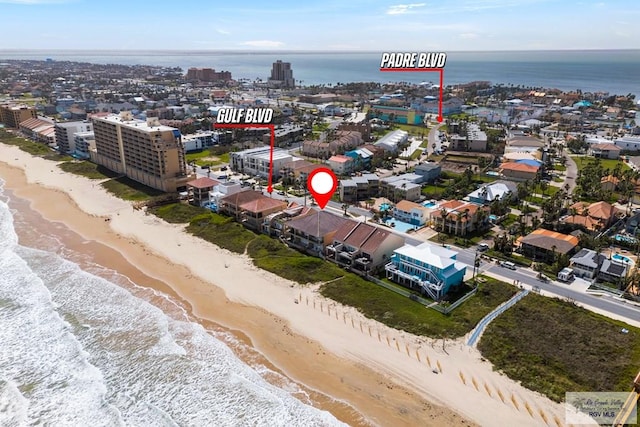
[(613, 71), (86, 346)]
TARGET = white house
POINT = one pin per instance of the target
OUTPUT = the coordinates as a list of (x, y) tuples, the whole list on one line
[(411, 213)]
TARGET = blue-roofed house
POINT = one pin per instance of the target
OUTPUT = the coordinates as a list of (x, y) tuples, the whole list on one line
[(530, 162), (429, 268)]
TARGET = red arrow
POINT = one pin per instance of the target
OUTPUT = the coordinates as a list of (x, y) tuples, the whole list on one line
[(440, 70), (273, 141)]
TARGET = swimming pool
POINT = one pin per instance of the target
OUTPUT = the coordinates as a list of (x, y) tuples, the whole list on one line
[(399, 225), (624, 259), (385, 207), (430, 204), (627, 239), (493, 218)]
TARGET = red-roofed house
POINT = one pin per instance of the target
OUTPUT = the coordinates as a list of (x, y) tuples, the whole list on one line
[(593, 217), (518, 171), (199, 190), (250, 207)]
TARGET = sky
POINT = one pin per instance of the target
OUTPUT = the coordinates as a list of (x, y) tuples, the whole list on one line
[(367, 25)]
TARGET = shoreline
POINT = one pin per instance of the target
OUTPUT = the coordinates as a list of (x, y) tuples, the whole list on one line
[(351, 358)]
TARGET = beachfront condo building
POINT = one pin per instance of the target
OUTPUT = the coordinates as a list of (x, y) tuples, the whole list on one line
[(146, 152), (12, 115), (65, 134)]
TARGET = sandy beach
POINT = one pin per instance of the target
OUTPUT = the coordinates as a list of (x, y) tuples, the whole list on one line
[(359, 367)]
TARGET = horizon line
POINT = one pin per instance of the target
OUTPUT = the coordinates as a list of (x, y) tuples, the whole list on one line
[(299, 51)]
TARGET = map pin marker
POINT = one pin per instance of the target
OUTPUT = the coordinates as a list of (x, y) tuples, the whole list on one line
[(322, 183)]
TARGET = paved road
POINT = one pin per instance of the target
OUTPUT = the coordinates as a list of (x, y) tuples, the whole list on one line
[(434, 138), (528, 277), (571, 174)]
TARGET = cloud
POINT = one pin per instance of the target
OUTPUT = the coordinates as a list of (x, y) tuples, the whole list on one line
[(401, 9), (262, 43), (468, 36), (221, 31)]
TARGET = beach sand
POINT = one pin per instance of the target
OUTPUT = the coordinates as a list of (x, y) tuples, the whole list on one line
[(387, 376)]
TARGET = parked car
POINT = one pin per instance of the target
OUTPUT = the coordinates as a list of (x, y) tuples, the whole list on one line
[(508, 264), (483, 247)]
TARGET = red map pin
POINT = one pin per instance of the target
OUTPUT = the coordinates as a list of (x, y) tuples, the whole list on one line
[(322, 183)]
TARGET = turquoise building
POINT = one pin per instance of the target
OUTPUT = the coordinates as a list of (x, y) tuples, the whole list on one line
[(428, 268)]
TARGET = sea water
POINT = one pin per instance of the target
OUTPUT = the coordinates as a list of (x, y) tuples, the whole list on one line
[(613, 71), (78, 349)]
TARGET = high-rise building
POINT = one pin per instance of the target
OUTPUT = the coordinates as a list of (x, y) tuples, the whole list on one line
[(282, 75), (147, 152), (12, 115), (65, 134)]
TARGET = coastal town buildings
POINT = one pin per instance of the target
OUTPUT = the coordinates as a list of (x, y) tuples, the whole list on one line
[(144, 151)]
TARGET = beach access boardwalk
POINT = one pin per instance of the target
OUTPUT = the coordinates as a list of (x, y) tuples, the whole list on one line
[(477, 331)]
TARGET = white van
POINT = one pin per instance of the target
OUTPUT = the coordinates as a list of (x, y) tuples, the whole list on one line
[(508, 264)]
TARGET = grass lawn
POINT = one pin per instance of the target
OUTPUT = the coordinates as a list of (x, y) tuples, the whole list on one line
[(510, 220), (550, 191), (87, 169), (553, 346), (447, 239), (607, 164), (484, 178), (535, 200), (412, 129), (433, 191), (462, 159), (129, 189), (399, 312), (559, 167), (205, 157)]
